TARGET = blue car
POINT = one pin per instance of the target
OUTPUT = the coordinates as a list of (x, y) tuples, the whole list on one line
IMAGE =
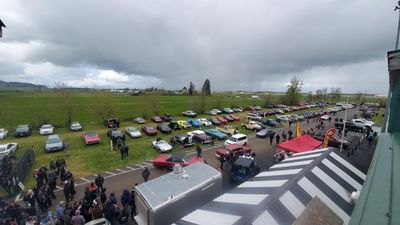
[(194, 123), (216, 134), (243, 169)]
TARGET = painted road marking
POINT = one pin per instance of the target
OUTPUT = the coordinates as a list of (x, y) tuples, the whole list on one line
[(130, 168), (86, 180), (109, 172), (120, 170)]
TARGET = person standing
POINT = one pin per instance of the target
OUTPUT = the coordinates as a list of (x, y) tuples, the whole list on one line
[(99, 181), (221, 160), (145, 174), (284, 136), (199, 151), (29, 200), (78, 219), (277, 138), (271, 138), (290, 133), (66, 148)]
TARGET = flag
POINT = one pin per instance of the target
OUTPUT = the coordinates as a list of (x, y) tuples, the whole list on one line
[(329, 135), (298, 132)]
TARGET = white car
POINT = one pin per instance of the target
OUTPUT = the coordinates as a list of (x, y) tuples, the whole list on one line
[(133, 132), (46, 129), (363, 122), (3, 133), (286, 118), (75, 126), (240, 139), (7, 148), (162, 146), (325, 117), (204, 122)]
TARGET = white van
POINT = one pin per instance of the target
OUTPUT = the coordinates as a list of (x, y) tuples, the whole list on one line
[(240, 139)]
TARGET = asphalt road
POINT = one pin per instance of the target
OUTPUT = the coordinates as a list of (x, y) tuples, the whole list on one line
[(117, 180)]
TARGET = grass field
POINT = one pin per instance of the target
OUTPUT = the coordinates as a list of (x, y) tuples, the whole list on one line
[(33, 108), (379, 119)]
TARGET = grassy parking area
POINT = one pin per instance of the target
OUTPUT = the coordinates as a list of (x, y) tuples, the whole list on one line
[(380, 118)]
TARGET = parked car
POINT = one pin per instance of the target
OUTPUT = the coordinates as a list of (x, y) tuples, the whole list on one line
[(243, 169), (212, 112), (248, 108), (167, 161), (228, 129), (6, 149), (161, 146), (54, 143), (139, 120), (149, 130), (216, 134), (166, 117), (325, 117), (46, 129), (285, 118), (184, 139), (194, 123), (164, 128), (3, 133), (133, 132), (221, 119), (189, 113), (112, 123), (214, 121), (363, 122), (334, 141), (200, 136), (174, 125), (252, 116), (75, 126), (240, 139), (156, 119), (236, 118), (205, 122), (229, 118), (271, 123), (227, 110), (252, 125), (265, 133), (23, 131), (115, 133), (234, 150), (184, 124), (349, 126), (91, 137)]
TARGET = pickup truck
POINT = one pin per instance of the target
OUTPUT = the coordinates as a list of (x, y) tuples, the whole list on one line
[(252, 125)]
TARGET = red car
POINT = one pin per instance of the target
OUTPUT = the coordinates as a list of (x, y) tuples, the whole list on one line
[(149, 130), (249, 108), (167, 161), (221, 119), (236, 118), (233, 150), (91, 137), (157, 119)]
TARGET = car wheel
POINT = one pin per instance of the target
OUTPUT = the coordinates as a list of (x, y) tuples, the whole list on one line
[(164, 168), (254, 129)]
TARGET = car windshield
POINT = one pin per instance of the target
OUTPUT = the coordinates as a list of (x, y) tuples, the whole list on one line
[(91, 134), (150, 128), (46, 126), (186, 158), (2, 130), (131, 129), (53, 140), (75, 124), (232, 139)]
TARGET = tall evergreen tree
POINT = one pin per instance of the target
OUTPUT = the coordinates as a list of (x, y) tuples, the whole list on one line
[(191, 88), (206, 89)]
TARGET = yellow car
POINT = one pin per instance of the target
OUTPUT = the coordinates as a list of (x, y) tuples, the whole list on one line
[(183, 124), (228, 130)]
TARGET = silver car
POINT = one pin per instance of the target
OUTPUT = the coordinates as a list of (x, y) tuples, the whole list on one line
[(75, 126), (54, 143)]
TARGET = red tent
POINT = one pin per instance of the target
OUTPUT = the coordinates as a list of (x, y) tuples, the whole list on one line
[(303, 143)]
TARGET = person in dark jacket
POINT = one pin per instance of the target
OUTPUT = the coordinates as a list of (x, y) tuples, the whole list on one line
[(132, 202), (99, 181), (67, 192), (271, 138), (113, 199), (110, 213), (29, 200), (125, 197), (145, 174), (103, 196), (78, 219), (199, 151), (97, 212), (277, 138)]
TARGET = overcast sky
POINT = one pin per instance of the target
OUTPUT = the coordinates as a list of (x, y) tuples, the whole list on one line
[(237, 44)]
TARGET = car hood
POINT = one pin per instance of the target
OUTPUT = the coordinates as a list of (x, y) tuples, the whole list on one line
[(54, 145), (164, 146), (135, 133)]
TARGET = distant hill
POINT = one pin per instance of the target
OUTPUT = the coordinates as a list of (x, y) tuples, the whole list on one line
[(20, 86)]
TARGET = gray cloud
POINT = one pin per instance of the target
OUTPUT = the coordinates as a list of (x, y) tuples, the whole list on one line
[(255, 45)]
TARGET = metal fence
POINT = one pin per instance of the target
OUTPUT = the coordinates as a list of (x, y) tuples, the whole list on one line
[(12, 182)]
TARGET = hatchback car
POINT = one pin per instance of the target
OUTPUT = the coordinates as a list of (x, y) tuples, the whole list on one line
[(23, 131), (3, 133), (46, 129), (54, 143), (75, 126)]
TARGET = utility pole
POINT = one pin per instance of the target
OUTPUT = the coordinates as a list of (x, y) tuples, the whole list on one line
[(397, 8), (344, 124)]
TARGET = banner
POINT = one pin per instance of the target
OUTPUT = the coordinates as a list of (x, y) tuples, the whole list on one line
[(298, 132), (328, 136)]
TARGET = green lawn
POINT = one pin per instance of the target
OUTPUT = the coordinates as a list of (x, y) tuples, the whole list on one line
[(379, 119)]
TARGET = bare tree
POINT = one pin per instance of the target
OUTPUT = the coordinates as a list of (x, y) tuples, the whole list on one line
[(154, 104), (66, 96), (335, 94), (310, 96)]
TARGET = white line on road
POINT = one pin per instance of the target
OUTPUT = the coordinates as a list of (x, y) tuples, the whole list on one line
[(120, 170), (58, 187), (82, 178), (109, 172), (130, 168), (139, 165), (148, 164)]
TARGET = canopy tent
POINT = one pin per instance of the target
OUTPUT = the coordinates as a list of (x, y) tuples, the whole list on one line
[(303, 143)]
